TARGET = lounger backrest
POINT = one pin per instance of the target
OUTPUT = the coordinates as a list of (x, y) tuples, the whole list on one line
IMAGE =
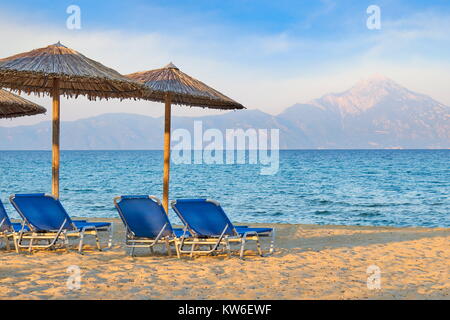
[(203, 217), (4, 219), (42, 212), (144, 216)]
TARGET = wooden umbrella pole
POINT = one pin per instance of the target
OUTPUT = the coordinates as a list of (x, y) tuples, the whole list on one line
[(167, 153), (55, 146)]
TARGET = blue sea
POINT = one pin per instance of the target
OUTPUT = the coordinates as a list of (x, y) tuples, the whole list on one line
[(341, 187)]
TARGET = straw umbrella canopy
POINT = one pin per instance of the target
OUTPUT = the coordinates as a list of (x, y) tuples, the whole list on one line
[(58, 70), (13, 106), (171, 86)]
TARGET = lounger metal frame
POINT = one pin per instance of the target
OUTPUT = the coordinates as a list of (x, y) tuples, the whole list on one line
[(212, 242), (133, 242), (52, 237), (7, 235), (223, 239)]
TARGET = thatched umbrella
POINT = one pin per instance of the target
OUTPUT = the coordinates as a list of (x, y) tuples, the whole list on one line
[(13, 106), (56, 70), (171, 86)]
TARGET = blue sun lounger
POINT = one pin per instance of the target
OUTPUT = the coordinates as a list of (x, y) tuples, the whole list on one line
[(209, 224), (147, 223), (47, 221), (8, 230)]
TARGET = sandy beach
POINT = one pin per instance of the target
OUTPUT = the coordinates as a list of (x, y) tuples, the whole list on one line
[(311, 262)]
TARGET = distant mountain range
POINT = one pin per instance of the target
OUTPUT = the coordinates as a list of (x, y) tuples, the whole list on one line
[(376, 113)]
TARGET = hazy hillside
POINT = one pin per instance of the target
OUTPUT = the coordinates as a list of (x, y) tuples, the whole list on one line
[(375, 113)]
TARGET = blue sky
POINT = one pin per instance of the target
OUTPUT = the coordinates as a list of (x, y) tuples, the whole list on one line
[(265, 54)]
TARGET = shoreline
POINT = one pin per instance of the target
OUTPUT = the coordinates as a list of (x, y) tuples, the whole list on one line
[(310, 262)]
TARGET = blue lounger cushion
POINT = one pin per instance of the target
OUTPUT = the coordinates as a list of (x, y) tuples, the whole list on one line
[(144, 216), (46, 213), (241, 230), (203, 217), (7, 224), (207, 218), (79, 224), (83, 224), (18, 226), (4, 219), (179, 233)]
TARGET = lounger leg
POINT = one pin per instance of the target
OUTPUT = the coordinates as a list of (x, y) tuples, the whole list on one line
[(177, 249), (258, 246), (132, 251), (152, 250), (80, 244), (30, 246), (111, 234), (169, 249), (97, 241), (272, 243), (7, 243), (16, 245), (227, 242), (192, 250), (242, 248), (66, 245), (66, 241)]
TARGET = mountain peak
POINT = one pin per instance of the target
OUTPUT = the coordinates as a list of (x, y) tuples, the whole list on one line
[(378, 77), (376, 82), (365, 94)]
